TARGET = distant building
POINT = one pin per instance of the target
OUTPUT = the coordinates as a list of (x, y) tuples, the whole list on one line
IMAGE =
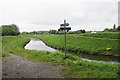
[(93, 32)]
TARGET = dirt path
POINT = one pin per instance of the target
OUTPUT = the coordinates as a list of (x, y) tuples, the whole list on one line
[(16, 67)]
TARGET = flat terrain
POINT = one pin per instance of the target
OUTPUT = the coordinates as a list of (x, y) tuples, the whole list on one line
[(87, 43), (16, 67), (108, 35), (32, 63)]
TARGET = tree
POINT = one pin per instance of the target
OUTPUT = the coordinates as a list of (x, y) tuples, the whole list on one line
[(114, 26), (106, 30), (24, 33), (52, 31), (10, 30), (71, 32), (118, 28), (80, 31), (83, 31)]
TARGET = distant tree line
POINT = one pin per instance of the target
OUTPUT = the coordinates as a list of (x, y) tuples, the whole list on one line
[(55, 32), (70, 32), (114, 29), (36, 32), (9, 30), (79, 31)]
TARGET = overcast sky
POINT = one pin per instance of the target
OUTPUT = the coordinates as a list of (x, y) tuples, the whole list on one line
[(34, 15)]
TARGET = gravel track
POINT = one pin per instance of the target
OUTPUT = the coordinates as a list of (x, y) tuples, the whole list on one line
[(16, 67)]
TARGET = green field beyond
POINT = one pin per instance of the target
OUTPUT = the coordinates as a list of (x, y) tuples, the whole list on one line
[(74, 66), (83, 44), (108, 35)]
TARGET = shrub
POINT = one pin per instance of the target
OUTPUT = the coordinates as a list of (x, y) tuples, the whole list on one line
[(9, 30)]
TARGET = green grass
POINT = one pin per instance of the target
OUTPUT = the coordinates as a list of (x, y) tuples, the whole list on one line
[(7, 41), (74, 66), (2, 53), (82, 44), (109, 35)]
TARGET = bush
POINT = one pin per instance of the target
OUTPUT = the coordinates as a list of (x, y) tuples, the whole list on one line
[(9, 30), (52, 31)]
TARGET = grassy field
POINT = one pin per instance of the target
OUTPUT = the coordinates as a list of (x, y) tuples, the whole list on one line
[(82, 44), (74, 66), (109, 35), (1, 51)]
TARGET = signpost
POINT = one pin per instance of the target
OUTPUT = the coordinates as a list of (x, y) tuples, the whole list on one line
[(67, 24), (65, 28)]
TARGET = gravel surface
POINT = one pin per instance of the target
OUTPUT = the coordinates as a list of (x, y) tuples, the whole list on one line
[(16, 67)]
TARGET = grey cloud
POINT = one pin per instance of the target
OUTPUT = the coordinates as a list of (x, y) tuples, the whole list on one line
[(51, 13)]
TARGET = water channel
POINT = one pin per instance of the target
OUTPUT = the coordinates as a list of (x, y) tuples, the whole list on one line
[(40, 46)]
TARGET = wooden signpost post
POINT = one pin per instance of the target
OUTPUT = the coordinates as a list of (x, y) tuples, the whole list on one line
[(65, 29)]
